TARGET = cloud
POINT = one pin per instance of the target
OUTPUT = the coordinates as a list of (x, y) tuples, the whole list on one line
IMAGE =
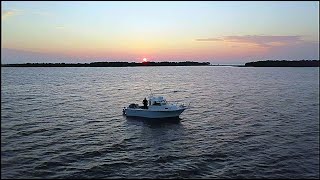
[(47, 14), (7, 13), (269, 47), (209, 39), (263, 41), (60, 27)]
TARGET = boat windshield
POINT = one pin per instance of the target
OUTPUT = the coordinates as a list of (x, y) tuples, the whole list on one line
[(159, 103)]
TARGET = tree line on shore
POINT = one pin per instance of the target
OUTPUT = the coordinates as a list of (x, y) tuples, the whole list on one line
[(266, 63), (284, 63), (109, 64)]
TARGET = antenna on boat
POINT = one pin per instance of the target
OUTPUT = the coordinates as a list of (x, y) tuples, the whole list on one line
[(150, 92)]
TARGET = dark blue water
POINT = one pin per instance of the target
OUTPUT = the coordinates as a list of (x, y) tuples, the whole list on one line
[(243, 123)]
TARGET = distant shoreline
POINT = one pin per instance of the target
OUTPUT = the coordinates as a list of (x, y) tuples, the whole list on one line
[(283, 63), (108, 64), (266, 63)]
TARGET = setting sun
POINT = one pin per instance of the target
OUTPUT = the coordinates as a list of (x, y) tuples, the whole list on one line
[(144, 59)]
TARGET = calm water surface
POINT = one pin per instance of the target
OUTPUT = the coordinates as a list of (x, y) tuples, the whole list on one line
[(243, 123)]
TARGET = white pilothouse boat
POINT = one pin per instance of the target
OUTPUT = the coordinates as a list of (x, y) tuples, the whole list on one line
[(157, 108)]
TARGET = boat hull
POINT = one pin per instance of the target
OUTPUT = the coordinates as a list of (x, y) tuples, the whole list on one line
[(153, 114)]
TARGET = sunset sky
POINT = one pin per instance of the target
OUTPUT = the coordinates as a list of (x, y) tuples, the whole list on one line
[(218, 32)]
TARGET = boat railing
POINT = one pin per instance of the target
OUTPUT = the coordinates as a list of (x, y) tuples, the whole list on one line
[(183, 104), (177, 103)]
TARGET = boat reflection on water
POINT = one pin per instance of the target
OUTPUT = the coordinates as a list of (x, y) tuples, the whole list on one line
[(155, 121)]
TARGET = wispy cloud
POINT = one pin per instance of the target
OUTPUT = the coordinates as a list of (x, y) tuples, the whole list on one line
[(263, 41), (271, 47), (60, 27), (7, 13), (209, 39), (42, 13)]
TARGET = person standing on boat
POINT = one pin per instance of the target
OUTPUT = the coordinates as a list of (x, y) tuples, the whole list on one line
[(145, 103)]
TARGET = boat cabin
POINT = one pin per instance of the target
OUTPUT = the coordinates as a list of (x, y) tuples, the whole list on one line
[(157, 101)]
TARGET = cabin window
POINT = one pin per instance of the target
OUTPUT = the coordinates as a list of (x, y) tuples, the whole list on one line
[(156, 104)]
